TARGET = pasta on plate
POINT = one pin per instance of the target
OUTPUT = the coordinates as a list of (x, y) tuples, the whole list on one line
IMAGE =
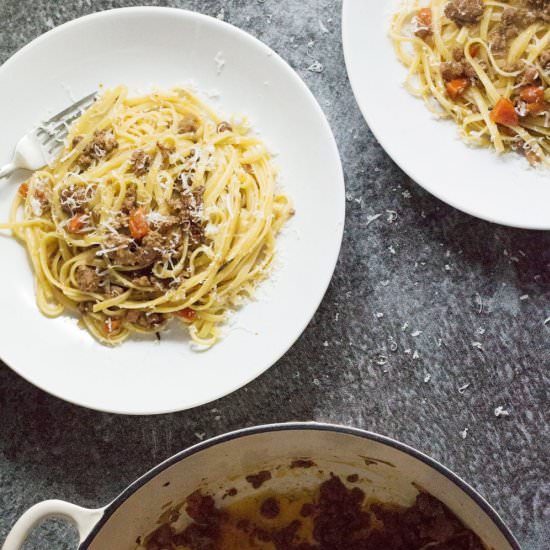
[(483, 63), (154, 209)]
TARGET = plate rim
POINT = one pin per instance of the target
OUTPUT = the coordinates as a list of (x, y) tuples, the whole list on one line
[(392, 152), (340, 207)]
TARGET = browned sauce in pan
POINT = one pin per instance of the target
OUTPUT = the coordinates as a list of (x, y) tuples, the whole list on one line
[(333, 517)]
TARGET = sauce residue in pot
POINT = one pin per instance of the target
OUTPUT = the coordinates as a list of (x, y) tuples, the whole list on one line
[(332, 517)]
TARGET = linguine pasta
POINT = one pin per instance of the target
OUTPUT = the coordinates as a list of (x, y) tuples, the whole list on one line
[(154, 209), (483, 64)]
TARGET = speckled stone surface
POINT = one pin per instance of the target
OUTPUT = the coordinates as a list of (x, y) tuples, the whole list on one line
[(425, 301)]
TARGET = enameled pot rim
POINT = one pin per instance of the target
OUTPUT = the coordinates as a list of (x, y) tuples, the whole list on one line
[(291, 426)]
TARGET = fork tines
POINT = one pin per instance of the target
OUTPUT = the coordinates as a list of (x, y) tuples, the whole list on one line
[(51, 133)]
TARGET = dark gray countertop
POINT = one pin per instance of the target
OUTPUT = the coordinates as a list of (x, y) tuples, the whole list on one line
[(363, 360)]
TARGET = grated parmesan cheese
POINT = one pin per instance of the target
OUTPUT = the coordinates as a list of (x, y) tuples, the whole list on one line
[(501, 411), (156, 218), (36, 206)]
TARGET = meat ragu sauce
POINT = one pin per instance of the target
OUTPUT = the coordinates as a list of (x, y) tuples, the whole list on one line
[(333, 517)]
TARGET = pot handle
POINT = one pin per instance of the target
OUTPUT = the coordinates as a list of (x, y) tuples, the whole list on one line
[(83, 518)]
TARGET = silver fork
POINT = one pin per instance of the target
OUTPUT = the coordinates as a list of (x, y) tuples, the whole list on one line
[(37, 148)]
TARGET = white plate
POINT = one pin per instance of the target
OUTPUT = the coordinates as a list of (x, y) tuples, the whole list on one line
[(477, 181), (144, 47)]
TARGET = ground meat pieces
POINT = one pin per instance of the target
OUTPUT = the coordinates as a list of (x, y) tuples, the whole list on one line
[(165, 152), (532, 157), (146, 320), (270, 508), (438, 527), (302, 463), (161, 538), (123, 251), (464, 12), (498, 42), (224, 126), (130, 200), (165, 224), (188, 124), (141, 280), (200, 507), (530, 76), (338, 519), (451, 70), (527, 16), (512, 67), (196, 234), (103, 143), (341, 516), (544, 60), (458, 54), (115, 290), (186, 207), (512, 22), (257, 480), (75, 199), (185, 178), (205, 533), (153, 320), (284, 539), (87, 279), (154, 241), (187, 202), (511, 17), (76, 141), (457, 68), (133, 315), (140, 162), (423, 32), (117, 249), (469, 71), (307, 509), (40, 200), (538, 4), (85, 307)]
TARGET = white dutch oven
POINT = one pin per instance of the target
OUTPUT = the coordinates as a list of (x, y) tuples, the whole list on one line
[(388, 470)]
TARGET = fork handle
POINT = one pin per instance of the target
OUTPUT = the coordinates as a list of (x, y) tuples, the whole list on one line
[(7, 170)]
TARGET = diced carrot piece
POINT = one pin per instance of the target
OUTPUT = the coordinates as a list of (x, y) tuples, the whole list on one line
[(532, 157), (24, 190), (504, 112), (111, 325), (532, 94), (508, 131), (424, 17), (138, 224), (474, 49), (536, 108), (457, 87), (187, 313), (75, 224)]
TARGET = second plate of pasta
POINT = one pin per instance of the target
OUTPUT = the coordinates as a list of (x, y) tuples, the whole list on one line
[(456, 92), (188, 228)]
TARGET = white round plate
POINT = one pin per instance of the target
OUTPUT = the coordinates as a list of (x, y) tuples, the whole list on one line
[(501, 189), (143, 48)]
